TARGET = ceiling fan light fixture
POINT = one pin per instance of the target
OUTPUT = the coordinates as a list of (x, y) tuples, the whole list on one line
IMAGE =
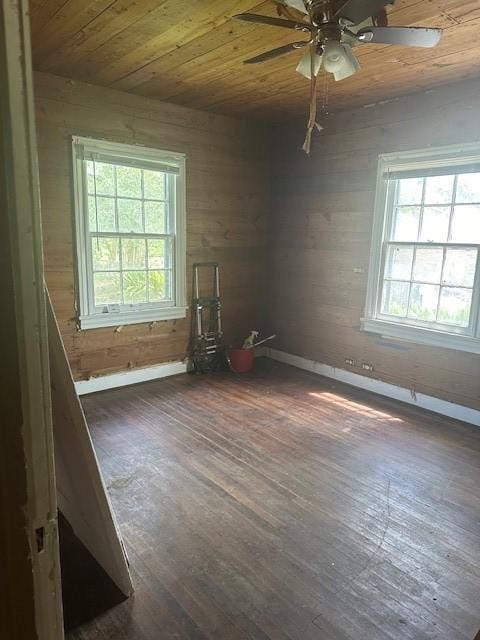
[(305, 65), (299, 5), (333, 30), (333, 56), (340, 60)]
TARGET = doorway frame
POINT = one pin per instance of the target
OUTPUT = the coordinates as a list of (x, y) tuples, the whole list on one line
[(18, 151)]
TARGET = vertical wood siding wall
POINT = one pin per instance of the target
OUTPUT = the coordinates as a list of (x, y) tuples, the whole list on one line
[(227, 210), (321, 230)]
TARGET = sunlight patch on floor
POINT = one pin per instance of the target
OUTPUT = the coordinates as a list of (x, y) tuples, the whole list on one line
[(355, 407)]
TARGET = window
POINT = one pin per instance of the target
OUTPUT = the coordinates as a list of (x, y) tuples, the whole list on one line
[(424, 277), (130, 233)]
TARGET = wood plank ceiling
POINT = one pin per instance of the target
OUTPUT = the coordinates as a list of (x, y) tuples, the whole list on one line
[(191, 53)]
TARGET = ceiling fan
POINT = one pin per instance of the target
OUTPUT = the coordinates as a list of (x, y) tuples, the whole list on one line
[(333, 28)]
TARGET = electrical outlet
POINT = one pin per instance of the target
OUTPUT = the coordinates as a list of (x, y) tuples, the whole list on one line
[(367, 366), (350, 362)]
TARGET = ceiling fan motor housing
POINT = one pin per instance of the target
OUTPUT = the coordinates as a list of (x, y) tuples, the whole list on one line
[(329, 31), (322, 11)]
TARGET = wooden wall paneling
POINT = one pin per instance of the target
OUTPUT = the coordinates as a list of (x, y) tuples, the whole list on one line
[(227, 211), (67, 92), (320, 227), (401, 111)]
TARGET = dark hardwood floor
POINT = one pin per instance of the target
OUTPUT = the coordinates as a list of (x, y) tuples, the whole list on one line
[(282, 506)]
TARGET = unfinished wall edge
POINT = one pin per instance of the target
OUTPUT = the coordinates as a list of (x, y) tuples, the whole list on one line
[(145, 374), (430, 403), (134, 376)]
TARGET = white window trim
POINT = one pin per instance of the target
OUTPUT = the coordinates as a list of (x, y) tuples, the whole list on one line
[(136, 153), (454, 156)]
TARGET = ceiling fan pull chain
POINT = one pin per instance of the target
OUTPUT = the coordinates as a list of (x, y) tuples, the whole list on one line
[(312, 120), (326, 94)]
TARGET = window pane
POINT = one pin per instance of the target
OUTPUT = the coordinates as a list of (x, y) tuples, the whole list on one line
[(399, 263), (439, 190), (159, 254), (133, 254), (154, 185), (423, 301), (468, 188), (466, 224), (107, 288), (435, 224), (105, 254), (410, 191), (395, 298), (159, 285), (428, 264), (455, 305), (103, 214), (130, 216), (129, 182), (405, 226), (459, 269), (101, 177), (155, 217), (134, 287)]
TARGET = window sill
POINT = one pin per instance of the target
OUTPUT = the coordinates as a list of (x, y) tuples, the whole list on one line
[(131, 317), (419, 335)]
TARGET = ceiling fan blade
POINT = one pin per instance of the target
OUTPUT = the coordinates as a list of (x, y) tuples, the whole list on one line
[(350, 64), (273, 53), (409, 36), (356, 11), (275, 22)]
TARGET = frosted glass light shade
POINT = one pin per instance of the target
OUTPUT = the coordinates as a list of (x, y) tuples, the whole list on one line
[(305, 65), (340, 60), (333, 56)]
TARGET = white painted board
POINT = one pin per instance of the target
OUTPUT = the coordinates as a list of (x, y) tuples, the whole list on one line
[(81, 492)]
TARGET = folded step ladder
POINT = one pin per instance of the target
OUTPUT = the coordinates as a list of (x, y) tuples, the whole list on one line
[(207, 343)]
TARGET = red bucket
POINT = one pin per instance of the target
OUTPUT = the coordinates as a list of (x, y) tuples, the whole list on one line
[(241, 360)]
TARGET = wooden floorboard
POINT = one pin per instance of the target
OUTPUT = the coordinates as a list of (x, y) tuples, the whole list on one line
[(282, 506)]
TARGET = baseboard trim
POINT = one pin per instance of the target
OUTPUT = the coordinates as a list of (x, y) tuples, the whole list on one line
[(437, 405), (133, 376), (443, 407)]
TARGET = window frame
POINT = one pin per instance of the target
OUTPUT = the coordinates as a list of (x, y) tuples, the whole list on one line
[(374, 321), (141, 157)]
